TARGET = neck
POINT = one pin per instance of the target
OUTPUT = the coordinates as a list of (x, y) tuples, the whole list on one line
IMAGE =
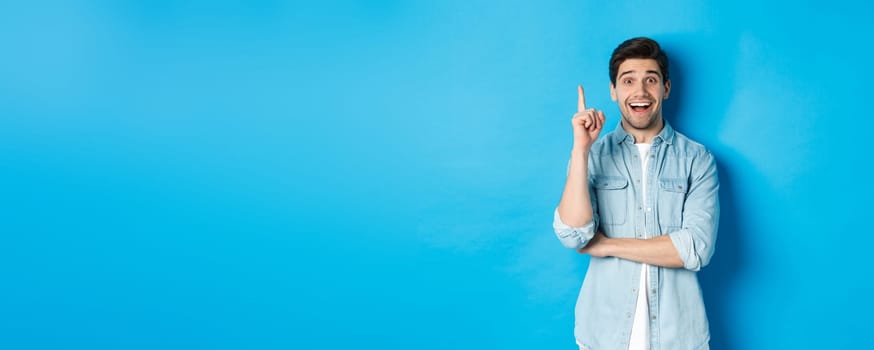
[(645, 135)]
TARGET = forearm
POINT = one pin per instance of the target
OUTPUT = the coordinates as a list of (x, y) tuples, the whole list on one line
[(654, 251), (575, 207)]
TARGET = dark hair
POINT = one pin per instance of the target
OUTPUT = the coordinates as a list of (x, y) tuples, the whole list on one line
[(640, 47)]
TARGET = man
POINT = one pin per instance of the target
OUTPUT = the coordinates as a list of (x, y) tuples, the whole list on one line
[(643, 202)]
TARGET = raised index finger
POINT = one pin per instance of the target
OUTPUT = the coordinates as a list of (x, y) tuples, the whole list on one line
[(581, 102)]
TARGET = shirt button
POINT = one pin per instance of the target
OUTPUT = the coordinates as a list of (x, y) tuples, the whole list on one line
[(628, 315), (653, 318)]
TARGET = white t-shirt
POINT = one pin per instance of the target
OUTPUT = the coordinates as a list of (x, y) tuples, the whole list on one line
[(640, 329)]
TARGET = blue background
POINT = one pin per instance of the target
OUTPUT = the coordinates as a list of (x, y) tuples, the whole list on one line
[(382, 174)]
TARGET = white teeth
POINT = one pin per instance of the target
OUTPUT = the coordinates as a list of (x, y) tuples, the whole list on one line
[(639, 104)]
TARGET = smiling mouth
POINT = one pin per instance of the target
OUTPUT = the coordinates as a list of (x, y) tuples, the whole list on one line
[(640, 106)]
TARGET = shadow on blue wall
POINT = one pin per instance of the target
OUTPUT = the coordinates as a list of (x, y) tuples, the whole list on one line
[(718, 280)]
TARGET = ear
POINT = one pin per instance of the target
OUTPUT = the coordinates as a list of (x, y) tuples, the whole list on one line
[(613, 91), (667, 89)]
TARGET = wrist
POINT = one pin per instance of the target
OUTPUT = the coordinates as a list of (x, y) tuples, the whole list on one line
[(580, 151), (610, 246)]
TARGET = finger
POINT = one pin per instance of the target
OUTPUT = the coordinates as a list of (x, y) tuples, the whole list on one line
[(589, 119), (581, 101), (594, 119), (578, 119), (600, 119)]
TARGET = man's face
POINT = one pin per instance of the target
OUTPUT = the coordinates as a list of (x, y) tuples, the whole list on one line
[(639, 91)]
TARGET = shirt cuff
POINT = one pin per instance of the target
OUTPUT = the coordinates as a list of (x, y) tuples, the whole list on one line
[(570, 236), (685, 246)]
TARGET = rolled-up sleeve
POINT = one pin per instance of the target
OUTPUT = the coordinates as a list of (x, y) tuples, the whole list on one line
[(574, 237), (696, 240), (577, 237)]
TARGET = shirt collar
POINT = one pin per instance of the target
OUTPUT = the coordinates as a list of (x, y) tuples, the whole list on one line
[(666, 135)]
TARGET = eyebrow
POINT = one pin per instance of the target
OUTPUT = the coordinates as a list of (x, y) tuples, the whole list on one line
[(647, 72)]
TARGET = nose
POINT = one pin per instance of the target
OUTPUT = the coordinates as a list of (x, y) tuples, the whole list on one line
[(640, 89)]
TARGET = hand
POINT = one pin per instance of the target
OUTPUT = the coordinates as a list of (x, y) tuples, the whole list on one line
[(597, 246), (587, 123)]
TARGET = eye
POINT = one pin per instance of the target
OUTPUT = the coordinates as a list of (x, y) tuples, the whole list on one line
[(651, 80), (627, 81)]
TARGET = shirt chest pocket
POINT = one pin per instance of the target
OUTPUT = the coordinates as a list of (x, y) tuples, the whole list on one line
[(672, 198), (611, 193)]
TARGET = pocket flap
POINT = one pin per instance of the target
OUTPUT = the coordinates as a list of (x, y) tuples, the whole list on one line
[(610, 182), (674, 185)]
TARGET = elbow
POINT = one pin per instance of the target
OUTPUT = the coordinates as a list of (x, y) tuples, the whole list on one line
[(574, 243), (575, 238), (572, 239), (697, 259), (694, 253), (692, 264), (704, 249)]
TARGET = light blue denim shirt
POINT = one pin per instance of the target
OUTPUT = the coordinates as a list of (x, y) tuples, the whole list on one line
[(682, 201)]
